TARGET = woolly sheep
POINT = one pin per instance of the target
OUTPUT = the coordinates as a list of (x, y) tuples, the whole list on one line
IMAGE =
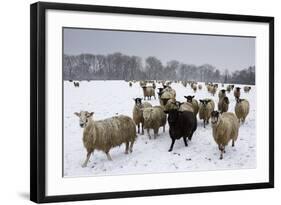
[(222, 93), (225, 128), (200, 87), (105, 134), (213, 90), (186, 106), (165, 94), (223, 104), (242, 108), (247, 89), (236, 92), (154, 118), (194, 87), (181, 125), (194, 103), (148, 91), (137, 113), (206, 106)]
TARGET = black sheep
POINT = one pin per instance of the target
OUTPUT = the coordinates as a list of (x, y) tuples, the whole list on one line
[(182, 125)]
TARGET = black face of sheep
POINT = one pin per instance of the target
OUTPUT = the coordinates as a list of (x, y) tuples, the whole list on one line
[(215, 117), (189, 98), (223, 91), (182, 125), (238, 89), (137, 101), (205, 102)]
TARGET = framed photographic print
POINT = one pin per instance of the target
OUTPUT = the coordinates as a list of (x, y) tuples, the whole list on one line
[(129, 102)]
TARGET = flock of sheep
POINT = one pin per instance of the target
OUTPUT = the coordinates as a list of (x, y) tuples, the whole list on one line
[(181, 116)]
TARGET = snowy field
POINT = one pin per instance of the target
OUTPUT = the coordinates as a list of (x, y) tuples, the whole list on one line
[(109, 98)]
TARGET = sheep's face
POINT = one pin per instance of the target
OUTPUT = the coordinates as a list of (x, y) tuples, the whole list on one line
[(147, 112), (223, 91), (84, 118), (189, 98), (238, 89), (215, 117), (138, 102), (204, 102)]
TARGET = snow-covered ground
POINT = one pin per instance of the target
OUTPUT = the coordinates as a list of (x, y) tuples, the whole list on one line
[(109, 98)]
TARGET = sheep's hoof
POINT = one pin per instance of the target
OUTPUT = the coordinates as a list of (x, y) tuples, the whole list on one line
[(126, 152), (84, 165), (169, 150)]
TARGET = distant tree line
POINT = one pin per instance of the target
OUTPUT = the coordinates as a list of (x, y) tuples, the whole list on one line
[(118, 66)]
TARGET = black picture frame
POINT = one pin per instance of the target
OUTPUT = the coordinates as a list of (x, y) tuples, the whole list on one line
[(38, 101)]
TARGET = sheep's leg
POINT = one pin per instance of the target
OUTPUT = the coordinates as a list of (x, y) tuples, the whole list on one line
[(190, 136), (155, 133), (164, 128), (108, 156), (87, 159), (172, 145), (127, 148), (139, 128), (131, 146), (204, 123), (148, 134), (233, 143), (142, 129), (221, 156), (185, 142)]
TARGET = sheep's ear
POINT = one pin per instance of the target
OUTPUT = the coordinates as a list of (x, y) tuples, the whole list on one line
[(201, 101), (185, 97), (77, 114), (193, 96), (90, 114)]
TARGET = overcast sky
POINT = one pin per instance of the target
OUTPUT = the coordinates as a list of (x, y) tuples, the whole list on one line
[(223, 52)]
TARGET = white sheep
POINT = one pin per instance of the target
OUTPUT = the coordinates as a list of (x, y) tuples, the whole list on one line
[(225, 128), (206, 106), (236, 92), (105, 134), (247, 89), (242, 109), (194, 103), (154, 118), (148, 91)]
